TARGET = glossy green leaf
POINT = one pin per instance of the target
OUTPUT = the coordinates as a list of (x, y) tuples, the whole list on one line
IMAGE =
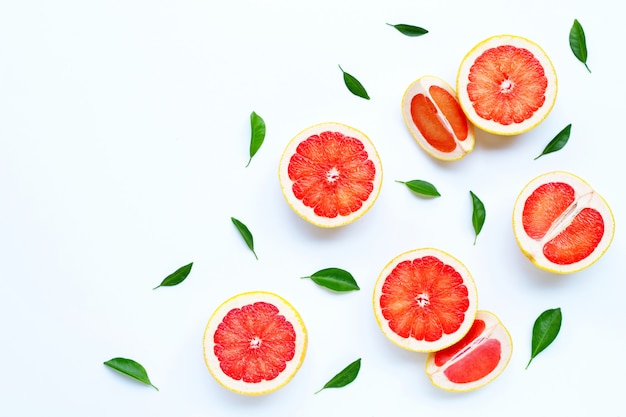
[(346, 376), (130, 368), (245, 234), (421, 187), (176, 277), (559, 141), (354, 85), (578, 42), (257, 126), (545, 330), (335, 279), (478, 215), (409, 30)]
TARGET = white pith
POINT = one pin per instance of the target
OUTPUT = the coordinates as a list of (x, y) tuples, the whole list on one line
[(585, 197), (293, 365), (422, 86), (495, 127), (307, 212), (447, 339), (494, 329)]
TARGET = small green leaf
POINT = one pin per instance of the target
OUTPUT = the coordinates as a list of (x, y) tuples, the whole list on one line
[(354, 85), (409, 30), (578, 43), (545, 330), (131, 368), (343, 378), (421, 187), (176, 277), (559, 141), (334, 279), (245, 234), (478, 215), (257, 126)]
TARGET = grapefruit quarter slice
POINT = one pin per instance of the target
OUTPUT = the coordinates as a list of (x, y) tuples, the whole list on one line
[(435, 119), (561, 224), (506, 85), (330, 174), (425, 300), (254, 343), (476, 360)]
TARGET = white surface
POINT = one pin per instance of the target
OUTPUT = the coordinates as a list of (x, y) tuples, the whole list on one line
[(124, 132)]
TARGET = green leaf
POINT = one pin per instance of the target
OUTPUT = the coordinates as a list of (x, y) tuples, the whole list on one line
[(343, 378), (334, 279), (176, 277), (245, 234), (478, 215), (578, 43), (354, 85), (257, 126), (421, 187), (545, 330), (409, 30), (559, 141), (131, 368)]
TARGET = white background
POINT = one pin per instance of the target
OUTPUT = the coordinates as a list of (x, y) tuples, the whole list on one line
[(124, 134)]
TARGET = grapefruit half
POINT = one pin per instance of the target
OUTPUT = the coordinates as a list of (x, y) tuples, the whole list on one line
[(425, 300), (561, 224), (476, 360), (435, 119), (506, 85), (330, 174), (254, 343)]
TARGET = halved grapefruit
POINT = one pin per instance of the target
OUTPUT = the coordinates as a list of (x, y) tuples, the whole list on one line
[(476, 360), (254, 343), (330, 174), (561, 224), (506, 85), (425, 300), (435, 119)]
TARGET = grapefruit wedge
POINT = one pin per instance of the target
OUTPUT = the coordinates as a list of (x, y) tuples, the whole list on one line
[(330, 174), (435, 119), (254, 343), (506, 85), (425, 300), (561, 224), (476, 360)]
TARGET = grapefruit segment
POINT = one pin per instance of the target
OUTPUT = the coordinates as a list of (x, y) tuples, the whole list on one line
[(424, 300), (254, 343), (330, 174), (435, 119), (476, 360), (561, 224), (506, 85)]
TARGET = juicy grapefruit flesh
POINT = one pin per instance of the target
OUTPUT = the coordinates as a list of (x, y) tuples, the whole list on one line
[(477, 363), (544, 206), (424, 299), (578, 240), (444, 355), (332, 174), (451, 110), (253, 343), (507, 84), (425, 116)]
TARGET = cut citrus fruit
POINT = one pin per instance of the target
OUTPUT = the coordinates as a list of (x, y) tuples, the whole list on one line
[(476, 360), (561, 224), (330, 174), (435, 119), (425, 300), (254, 343), (506, 85)]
